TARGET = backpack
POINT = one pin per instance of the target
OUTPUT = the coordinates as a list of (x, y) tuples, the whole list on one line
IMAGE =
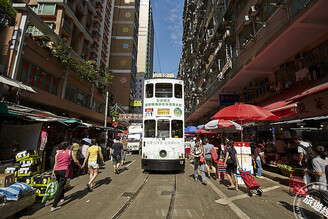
[(309, 154)]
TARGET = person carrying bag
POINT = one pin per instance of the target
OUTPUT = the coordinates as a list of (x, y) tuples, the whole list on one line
[(61, 171), (198, 153), (230, 163), (93, 153)]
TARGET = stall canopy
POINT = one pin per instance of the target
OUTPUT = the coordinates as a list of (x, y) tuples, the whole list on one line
[(14, 83), (191, 129)]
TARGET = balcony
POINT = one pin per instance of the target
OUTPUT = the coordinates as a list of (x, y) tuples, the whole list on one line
[(67, 27)]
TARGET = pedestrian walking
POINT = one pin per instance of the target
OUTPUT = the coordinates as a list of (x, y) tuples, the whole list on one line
[(196, 153), (63, 160), (209, 160), (83, 152), (320, 163), (92, 154), (125, 147), (230, 163), (259, 159), (116, 152), (304, 149)]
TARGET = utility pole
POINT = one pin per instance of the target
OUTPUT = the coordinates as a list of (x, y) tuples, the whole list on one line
[(106, 113)]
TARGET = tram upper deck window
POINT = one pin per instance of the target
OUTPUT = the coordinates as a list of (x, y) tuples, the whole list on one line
[(163, 90), (163, 128), (149, 90), (149, 128), (177, 129), (178, 91)]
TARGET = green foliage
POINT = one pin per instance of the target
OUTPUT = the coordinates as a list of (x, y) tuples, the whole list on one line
[(7, 14), (83, 68), (112, 113)]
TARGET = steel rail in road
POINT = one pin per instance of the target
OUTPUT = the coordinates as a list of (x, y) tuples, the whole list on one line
[(128, 203)]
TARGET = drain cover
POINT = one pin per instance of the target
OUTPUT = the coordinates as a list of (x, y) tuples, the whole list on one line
[(127, 194), (166, 193)]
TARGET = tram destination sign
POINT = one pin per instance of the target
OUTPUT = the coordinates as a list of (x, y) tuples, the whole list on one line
[(163, 112)]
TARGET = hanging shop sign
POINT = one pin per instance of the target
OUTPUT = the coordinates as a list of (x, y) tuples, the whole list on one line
[(313, 105), (130, 116), (228, 99), (136, 103)]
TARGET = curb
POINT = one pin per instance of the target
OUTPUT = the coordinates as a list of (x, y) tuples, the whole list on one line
[(276, 177)]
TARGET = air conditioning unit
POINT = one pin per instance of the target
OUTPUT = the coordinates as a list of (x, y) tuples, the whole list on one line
[(253, 11), (246, 20)]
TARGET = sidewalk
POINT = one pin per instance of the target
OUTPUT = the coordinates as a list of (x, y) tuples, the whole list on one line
[(284, 180)]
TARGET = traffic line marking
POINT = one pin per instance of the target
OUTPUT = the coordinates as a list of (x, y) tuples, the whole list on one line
[(237, 210), (234, 198), (130, 163)]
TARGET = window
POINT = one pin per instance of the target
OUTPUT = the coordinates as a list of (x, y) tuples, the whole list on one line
[(46, 8), (163, 128), (149, 90), (35, 31), (178, 91), (150, 128), (163, 90), (177, 129)]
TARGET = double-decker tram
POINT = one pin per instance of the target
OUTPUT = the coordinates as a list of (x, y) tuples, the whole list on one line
[(163, 122)]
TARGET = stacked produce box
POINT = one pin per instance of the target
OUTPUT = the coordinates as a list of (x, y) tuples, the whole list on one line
[(245, 159)]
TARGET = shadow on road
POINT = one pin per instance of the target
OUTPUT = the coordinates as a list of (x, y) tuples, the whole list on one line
[(127, 162), (105, 181), (308, 213), (76, 195), (123, 169)]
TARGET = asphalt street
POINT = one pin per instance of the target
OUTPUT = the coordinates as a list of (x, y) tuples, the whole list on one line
[(138, 194)]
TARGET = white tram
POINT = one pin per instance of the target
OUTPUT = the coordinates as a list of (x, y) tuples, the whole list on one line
[(163, 122)]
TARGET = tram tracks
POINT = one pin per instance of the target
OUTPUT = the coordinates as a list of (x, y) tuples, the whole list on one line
[(134, 197)]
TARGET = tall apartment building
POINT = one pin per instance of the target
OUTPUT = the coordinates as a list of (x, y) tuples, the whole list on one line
[(270, 53), (27, 59), (145, 40), (124, 47), (145, 51)]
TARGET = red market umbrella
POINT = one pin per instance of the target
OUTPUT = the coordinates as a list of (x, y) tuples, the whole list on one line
[(244, 112), (204, 132)]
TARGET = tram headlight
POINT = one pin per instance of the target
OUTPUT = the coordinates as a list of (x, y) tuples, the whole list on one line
[(162, 153)]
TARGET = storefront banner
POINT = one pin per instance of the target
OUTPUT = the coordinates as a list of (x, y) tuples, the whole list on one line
[(313, 105), (26, 136), (130, 116), (228, 99)]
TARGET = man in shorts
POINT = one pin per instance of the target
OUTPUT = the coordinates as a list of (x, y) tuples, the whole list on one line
[(116, 152), (209, 160)]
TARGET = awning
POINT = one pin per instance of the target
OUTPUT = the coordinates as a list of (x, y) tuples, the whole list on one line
[(14, 83), (285, 104), (300, 120)]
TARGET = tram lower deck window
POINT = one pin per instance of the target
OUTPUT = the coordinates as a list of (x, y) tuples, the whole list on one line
[(163, 128), (178, 91), (163, 90), (150, 128), (177, 129)]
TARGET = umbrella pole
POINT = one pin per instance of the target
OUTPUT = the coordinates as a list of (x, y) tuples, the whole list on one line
[(241, 131)]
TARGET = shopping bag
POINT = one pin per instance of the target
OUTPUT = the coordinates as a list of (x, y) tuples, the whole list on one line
[(50, 191)]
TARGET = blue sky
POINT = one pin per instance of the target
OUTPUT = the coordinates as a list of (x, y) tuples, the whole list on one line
[(167, 15)]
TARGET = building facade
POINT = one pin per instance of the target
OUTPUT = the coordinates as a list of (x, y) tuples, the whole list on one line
[(123, 64), (29, 56), (269, 53), (145, 40), (145, 52)]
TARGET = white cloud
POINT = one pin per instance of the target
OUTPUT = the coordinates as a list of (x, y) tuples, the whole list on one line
[(174, 20)]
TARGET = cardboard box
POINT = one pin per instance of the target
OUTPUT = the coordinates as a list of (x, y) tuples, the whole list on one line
[(6, 179)]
